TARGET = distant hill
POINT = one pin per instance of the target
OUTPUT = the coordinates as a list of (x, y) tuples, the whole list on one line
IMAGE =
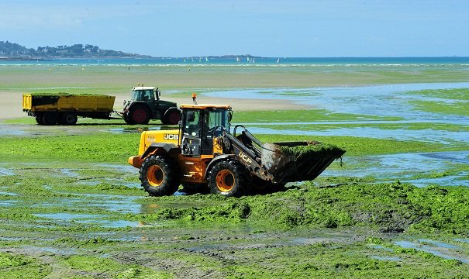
[(10, 50)]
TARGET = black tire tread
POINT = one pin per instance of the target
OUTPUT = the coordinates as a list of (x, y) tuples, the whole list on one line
[(237, 169), (172, 180)]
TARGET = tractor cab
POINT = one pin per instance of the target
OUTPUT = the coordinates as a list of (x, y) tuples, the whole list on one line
[(145, 94), (201, 124)]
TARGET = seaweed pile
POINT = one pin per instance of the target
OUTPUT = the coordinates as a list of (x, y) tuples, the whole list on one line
[(65, 94), (299, 152)]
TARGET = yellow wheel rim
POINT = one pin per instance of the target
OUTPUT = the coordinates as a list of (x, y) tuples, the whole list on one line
[(225, 180), (155, 176)]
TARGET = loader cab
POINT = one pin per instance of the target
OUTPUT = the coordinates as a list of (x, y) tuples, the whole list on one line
[(200, 125)]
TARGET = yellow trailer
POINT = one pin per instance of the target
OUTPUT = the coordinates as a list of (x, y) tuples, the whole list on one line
[(64, 108)]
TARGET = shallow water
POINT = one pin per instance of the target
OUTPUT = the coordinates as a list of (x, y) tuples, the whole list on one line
[(443, 253), (405, 166), (5, 172), (382, 100), (383, 258), (101, 220)]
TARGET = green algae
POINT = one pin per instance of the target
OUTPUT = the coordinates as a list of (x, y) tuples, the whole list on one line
[(312, 149), (300, 116), (387, 207), (20, 266), (65, 94), (103, 267), (459, 108), (82, 148), (452, 93)]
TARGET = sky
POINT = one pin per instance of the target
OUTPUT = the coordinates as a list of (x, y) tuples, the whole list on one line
[(273, 28)]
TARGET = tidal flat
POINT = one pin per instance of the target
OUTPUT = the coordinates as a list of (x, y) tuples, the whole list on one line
[(71, 206)]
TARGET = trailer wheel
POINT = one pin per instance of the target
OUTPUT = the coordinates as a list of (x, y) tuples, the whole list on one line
[(68, 118), (228, 178), (159, 176), (171, 117), (140, 115), (39, 120), (50, 118)]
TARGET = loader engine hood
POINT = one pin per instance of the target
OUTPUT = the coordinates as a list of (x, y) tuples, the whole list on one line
[(165, 136)]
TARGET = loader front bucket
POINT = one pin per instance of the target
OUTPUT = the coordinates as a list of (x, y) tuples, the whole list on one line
[(298, 161)]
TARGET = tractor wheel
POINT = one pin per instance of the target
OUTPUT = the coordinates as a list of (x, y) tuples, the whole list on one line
[(171, 117), (68, 118), (39, 120), (50, 118), (228, 178), (128, 120), (139, 115), (159, 176), (198, 188)]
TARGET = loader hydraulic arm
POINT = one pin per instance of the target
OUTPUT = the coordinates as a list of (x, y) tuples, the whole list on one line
[(248, 154)]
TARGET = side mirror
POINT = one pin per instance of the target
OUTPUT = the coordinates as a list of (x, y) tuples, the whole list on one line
[(230, 116)]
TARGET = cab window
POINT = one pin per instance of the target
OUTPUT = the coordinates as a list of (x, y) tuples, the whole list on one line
[(218, 118), (191, 125)]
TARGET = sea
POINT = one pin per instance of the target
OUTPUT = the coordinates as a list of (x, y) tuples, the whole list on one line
[(246, 61)]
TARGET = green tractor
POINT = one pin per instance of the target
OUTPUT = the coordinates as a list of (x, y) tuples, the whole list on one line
[(146, 104)]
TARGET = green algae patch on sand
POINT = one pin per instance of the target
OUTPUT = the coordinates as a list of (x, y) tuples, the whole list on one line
[(453, 93), (99, 147), (385, 207), (457, 108), (104, 267), (19, 266), (300, 116)]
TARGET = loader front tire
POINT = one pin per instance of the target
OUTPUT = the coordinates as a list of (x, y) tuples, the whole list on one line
[(228, 178), (159, 176)]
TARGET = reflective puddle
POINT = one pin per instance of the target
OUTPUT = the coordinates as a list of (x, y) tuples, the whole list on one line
[(100, 220), (436, 248), (405, 166)]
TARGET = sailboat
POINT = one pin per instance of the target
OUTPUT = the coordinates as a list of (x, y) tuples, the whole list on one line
[(247, 59), (278, 60), (237, 59), (206, 59)]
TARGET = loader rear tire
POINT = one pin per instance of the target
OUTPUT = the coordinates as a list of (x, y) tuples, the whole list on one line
[(228, 178), (159, 176)]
